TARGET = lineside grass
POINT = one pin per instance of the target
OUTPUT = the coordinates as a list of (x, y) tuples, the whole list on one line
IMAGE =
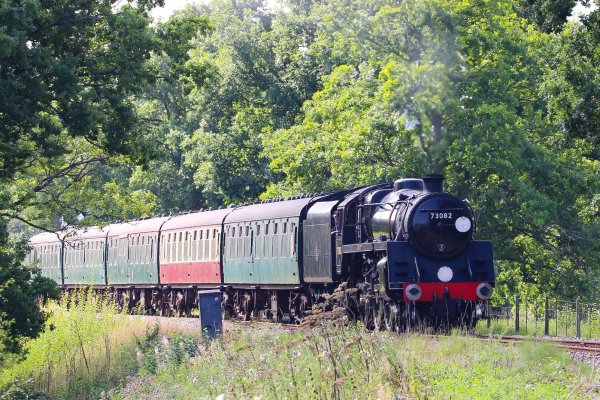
[(90, 350), (86, 348), (349, 363)]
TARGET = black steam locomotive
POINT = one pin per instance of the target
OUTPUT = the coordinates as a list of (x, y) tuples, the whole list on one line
[(404, 253), (413, 246)]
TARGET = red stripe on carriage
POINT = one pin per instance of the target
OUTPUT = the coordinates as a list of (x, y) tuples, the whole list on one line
[(456, 291), (190, 272)]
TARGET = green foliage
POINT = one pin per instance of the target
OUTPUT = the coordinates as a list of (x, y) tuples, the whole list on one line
[(160, 353), (70, 67), (21, 289), (255, 78), (347, 137), (548, 15), (572, 81), (85, 349), (69, 74)]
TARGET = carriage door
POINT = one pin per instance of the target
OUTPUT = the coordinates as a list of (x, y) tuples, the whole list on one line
[(250, 252), (123, 259), (252, 246)]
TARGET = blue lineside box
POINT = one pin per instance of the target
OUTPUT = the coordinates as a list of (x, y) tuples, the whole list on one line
[(211, 312)]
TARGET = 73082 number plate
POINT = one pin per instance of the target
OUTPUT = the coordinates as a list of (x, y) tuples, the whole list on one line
[(440, 215)]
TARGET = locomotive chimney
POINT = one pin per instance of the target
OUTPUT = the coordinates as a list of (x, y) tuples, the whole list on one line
[(433, 183)]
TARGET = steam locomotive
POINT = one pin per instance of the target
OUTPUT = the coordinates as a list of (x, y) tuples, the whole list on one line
[(406, 249)]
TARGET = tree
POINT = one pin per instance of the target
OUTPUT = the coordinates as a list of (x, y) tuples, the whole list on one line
[(70, 67), (548, 15), (20, 313), (260, 78), (573, 80), (347, 138), (68, 74)]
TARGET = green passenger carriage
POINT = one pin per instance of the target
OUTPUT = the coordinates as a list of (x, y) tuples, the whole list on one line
[(84, 256), (261, 244), (132, 252), (46, 254)]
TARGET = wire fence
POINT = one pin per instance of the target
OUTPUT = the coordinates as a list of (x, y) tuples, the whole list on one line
[(541, 317)]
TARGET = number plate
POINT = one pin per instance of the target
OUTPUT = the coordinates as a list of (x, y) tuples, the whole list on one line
[(440, 215)]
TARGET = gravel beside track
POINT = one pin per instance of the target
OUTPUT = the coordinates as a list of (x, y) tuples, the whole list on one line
[(192, 325)]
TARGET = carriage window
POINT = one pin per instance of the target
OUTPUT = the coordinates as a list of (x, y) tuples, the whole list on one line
[(275, 229), (180, 235), (247, 230), (240, 230), (257, 230), (214, 233), (267, 228), (284, 228)]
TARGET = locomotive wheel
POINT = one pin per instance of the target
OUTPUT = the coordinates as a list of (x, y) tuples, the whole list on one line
[(390, 317), (411, 317), (379, 315), (369, 313)]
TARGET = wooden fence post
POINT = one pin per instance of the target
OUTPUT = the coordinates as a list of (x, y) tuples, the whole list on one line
[(517, 305), (546, 318), (578, 318)]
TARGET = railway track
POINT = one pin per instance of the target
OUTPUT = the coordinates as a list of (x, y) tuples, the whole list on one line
[(573, 345)]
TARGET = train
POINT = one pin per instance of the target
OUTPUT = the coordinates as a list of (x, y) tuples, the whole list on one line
[(406, 250)]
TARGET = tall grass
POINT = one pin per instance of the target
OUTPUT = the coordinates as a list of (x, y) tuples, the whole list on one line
[(87, 346), (89, 350), (348, 362)]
